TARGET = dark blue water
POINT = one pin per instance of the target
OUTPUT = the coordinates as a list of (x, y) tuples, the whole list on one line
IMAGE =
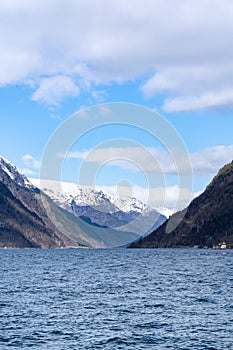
[(116, 299)]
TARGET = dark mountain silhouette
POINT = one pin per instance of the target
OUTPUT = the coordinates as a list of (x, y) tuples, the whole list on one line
[(208, 220)]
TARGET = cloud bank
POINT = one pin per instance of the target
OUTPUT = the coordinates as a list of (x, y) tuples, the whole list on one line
[(180, 49), (157, 160)]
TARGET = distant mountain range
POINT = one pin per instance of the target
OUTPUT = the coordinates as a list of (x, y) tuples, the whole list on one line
[(101, 209), (82, 218), (207, 222), (68, 215)]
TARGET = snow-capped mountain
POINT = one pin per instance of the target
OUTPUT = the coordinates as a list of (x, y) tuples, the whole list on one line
[(166, 211), (99, 208), (30, 218), (64, 193), (13, 173), (129, 204), (24, 219)]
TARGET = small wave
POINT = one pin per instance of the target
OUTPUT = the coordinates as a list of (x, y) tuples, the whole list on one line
[(205, 300)]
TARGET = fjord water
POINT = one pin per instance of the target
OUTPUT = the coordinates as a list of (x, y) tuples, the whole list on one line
[(116, 299)]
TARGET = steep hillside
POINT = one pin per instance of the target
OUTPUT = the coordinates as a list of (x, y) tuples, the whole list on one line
[(29, 218), (208, 221)]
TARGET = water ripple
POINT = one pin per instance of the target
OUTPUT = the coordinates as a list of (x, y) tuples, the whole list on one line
[(116, 299)]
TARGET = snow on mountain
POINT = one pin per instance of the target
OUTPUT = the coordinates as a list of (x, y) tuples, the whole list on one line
[(98, 207), (65, 193), (128, 204), (11, 170), (165, 211), (29, 218)]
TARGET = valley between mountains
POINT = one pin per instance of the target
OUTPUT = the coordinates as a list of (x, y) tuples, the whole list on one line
[(67, 215), (50, 214)]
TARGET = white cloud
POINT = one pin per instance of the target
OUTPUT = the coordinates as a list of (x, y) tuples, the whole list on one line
[(182, 47), (157, 160), (31, 165), (52, 90), (188, 77), (28, 172), (55, 116), (206, 100), (73, 155), (197, 86), (172, 197), (105, 110), (210, 160), (83, 111), (31, 162), (132, 158)]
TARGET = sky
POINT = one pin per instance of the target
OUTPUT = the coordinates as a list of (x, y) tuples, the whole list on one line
[(175, 57)]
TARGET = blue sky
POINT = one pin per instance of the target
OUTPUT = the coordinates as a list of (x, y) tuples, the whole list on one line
[(58, 57)]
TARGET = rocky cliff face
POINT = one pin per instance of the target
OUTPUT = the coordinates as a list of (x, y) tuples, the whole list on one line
[(27, 216), (208, 221)]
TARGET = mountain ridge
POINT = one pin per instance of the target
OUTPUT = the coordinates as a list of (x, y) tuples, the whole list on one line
[(103, 209), (20, 213), (30, 218), (207, 221)]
